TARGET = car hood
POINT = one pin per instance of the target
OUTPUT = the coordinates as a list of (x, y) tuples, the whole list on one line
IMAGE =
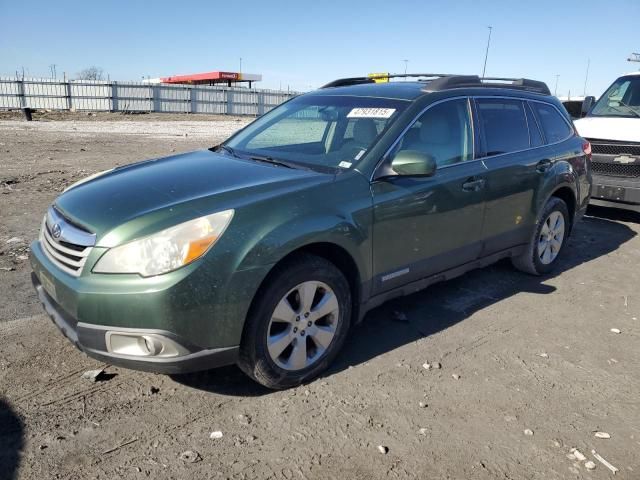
[(609, 128), (174, 189)]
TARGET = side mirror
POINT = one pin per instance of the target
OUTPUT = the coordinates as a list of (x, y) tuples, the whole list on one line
[(413, 162), (586, 105)]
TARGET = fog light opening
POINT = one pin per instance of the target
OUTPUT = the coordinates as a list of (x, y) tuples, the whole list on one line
[(143, 345), (150, 345)]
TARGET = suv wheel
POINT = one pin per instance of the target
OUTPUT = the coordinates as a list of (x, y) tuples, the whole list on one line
[(548, 240), (297, 324)]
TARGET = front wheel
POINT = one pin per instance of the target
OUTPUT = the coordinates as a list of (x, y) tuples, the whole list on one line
[(548, 240), (297, 324)]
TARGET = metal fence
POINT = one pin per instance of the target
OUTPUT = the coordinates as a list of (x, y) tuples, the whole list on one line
[(87, 95)]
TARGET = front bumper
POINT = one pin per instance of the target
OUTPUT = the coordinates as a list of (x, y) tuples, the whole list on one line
[(91, 339), (616, 192)]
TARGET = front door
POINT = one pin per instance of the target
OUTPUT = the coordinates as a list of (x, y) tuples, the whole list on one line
[(426, 225)]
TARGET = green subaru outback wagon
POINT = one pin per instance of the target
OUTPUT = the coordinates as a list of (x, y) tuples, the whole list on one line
[(264, 250)]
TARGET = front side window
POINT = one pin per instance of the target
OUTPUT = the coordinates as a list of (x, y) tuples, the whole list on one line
[(318, 131), (504, 124), (443, 132), (553, 125), (622, 99)]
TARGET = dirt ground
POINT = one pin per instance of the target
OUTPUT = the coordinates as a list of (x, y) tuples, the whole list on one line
[(529, 366)]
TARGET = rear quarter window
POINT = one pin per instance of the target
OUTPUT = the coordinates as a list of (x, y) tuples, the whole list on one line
[(553, 124), (504, 125)]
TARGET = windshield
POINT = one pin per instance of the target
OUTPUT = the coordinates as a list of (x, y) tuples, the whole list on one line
[(317, 131), (622, 99)]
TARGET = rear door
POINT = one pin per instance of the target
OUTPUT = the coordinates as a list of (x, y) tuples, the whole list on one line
[(515, 167), (425, 225)]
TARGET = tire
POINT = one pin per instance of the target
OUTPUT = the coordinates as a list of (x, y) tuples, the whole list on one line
[(536, 260), (277, 322)]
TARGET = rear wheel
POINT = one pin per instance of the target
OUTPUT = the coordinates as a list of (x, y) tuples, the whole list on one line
[(297, 324), (548, 240)]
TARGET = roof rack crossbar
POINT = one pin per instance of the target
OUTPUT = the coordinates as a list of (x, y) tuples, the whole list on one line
[(343, 82)]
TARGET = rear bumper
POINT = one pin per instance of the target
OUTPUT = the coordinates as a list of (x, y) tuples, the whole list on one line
[(616, 192), (91, 339)]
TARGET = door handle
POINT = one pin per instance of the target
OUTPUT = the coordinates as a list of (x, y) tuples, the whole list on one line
[(544, 165), (473, 184)]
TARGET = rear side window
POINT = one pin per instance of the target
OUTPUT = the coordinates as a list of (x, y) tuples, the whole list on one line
[(553, 125), (504, 124), (534, 130)]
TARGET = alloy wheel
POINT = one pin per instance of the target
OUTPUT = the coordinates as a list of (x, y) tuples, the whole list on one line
[(303, 325), (551, 237)]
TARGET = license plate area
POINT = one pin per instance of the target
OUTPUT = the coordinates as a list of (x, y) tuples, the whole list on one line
[(608, 192), (48, 286)]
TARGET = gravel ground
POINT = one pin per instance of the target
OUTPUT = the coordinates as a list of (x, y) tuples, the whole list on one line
[(529, 368)]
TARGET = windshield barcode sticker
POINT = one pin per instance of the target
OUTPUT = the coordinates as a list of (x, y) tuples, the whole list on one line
[(371, 113)]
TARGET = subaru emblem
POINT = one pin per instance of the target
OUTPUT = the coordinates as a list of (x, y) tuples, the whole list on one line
[(56, 231)]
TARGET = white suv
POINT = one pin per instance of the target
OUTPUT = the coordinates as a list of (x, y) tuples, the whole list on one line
[(612, 125)]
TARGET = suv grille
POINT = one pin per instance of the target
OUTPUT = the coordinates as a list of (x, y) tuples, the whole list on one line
[(70, 250), (614, 148), (616, 169)]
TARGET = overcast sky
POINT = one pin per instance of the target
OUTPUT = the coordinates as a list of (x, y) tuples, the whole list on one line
[(303, 44)]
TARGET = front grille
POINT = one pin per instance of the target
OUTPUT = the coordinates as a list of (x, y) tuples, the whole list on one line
[(616, 169), (614, 148), (68, 256)]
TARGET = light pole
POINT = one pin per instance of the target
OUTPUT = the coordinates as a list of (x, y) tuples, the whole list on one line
[(586, 77), (486, 54), (240, 64), (555, 92)]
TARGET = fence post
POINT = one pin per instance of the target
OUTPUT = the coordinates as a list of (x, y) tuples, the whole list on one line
[(260, 104), (229, 102), (155, 98), (192, 102), (114, 97), (23, 100), (67, 87)]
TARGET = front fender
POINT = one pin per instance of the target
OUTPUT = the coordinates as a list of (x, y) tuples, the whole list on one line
[(277, 227)]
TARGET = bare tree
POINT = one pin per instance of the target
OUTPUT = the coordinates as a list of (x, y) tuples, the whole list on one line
[(91, 73)]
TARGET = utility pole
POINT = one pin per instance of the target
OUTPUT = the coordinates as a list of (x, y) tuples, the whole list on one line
[(586, 77), (486, 54), (555, 92)]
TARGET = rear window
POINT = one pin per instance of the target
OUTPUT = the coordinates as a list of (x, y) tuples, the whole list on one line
[(554, 126), (504, 125)]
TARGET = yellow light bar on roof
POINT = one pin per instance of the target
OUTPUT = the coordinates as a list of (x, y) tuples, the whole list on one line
[(379, 77)]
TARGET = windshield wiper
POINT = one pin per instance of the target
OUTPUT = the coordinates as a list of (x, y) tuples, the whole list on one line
[(229, 150), (629, 108), (272, 161)]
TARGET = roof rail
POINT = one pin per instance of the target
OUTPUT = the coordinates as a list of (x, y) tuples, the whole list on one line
[(442, 81)]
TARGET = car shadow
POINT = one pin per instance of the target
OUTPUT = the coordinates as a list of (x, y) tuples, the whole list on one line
[(616, 214), (439, 306), (11, 441)]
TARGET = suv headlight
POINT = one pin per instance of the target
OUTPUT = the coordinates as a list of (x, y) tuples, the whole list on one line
[(167, 250)]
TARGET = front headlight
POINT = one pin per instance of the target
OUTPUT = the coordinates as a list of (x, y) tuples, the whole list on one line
[(167, 250)]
